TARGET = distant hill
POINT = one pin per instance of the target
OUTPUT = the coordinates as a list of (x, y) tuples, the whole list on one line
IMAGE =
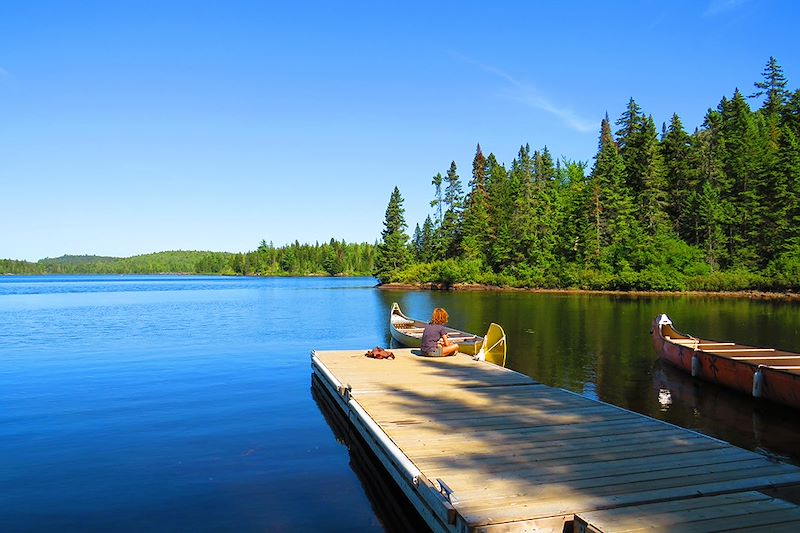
[(77, 260), (178, 261), (319, 259)]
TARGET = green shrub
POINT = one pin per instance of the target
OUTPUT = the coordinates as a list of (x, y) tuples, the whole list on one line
[(595, 280), (653, 279), (784, 271), (448, 272)]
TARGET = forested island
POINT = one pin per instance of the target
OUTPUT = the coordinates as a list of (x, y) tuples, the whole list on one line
[(327, 259), (714, 210)]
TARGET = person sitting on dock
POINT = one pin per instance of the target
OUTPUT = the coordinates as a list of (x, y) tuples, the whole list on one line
[(434, 338)]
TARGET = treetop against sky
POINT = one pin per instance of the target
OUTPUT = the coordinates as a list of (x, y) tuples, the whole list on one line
[(132, 127)]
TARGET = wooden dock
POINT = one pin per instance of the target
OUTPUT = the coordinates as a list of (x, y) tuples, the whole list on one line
[(476, 447)]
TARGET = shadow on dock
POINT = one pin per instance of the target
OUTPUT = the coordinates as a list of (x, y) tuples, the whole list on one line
[(520, 454), (388, 502)]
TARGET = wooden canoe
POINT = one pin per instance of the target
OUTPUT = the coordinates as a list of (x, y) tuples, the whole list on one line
[(760, 372), (408, 332)]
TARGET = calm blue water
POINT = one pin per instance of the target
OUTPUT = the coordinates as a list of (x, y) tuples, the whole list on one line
[(181, 403), (175, 403)]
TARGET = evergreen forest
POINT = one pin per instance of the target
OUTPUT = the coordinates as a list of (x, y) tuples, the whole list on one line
[(328, 259), (716, 209)]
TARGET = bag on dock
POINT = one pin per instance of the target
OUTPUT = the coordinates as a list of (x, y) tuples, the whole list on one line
[(379, 353)]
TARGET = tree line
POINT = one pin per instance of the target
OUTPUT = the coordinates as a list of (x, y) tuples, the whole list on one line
[(332, 258), (715, 209)]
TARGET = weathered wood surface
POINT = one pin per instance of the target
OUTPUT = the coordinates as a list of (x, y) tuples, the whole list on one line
[(518, 454), (741, 511)]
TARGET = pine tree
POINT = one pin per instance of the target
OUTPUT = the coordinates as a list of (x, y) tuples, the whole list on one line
[(707, 150), (451, 222), (417, 243), (478, 181), (545, 170), (611, 199), (476, 228), (437, 201), (500, 206), (427, 248), (629, 140), (773, 87), (786, 212), (680, 177), (713, 216), (739, 156), (437, 242), (392, 253), (791, 113), (544, 224), (575, 231), (652, 199), (522, 221)]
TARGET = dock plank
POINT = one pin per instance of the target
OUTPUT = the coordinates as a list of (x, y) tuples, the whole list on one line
[(519, 454), (727, 512)]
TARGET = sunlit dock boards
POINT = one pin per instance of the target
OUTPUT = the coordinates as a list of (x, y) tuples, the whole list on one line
[(739, 511), (476, 447)]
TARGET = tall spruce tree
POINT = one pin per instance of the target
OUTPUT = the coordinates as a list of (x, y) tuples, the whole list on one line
[(437, 242), (652, 199), (476, 227), (451, 221), (612, 206), (522, 222), (438, 201), (773, 88), (543, 210), (629, 141), (739, 150), (417, 243), (711, 224), (791, 112), (575, 231), (786, 203), (392, 253), (680, 177), (501, 242), (427, 248)]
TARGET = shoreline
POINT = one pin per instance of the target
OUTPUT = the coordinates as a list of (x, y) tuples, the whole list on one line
[(749, 295)]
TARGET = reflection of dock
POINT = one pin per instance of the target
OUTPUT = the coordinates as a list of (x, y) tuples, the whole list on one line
[(387, 500), (478, 447)]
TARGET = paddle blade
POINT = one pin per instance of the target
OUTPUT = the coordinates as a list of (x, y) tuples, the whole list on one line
[(494, 345)]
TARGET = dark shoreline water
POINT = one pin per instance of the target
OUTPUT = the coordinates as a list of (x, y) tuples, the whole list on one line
[(184, 402)]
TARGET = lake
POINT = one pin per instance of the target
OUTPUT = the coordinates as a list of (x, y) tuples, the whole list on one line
[(184, 403)]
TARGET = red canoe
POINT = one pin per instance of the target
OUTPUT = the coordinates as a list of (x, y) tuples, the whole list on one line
[(761, 372)]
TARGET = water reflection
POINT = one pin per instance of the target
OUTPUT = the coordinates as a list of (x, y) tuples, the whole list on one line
[(390, 505), (769, 428)]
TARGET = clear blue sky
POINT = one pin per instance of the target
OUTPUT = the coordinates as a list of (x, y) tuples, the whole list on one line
[(130, 127)]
